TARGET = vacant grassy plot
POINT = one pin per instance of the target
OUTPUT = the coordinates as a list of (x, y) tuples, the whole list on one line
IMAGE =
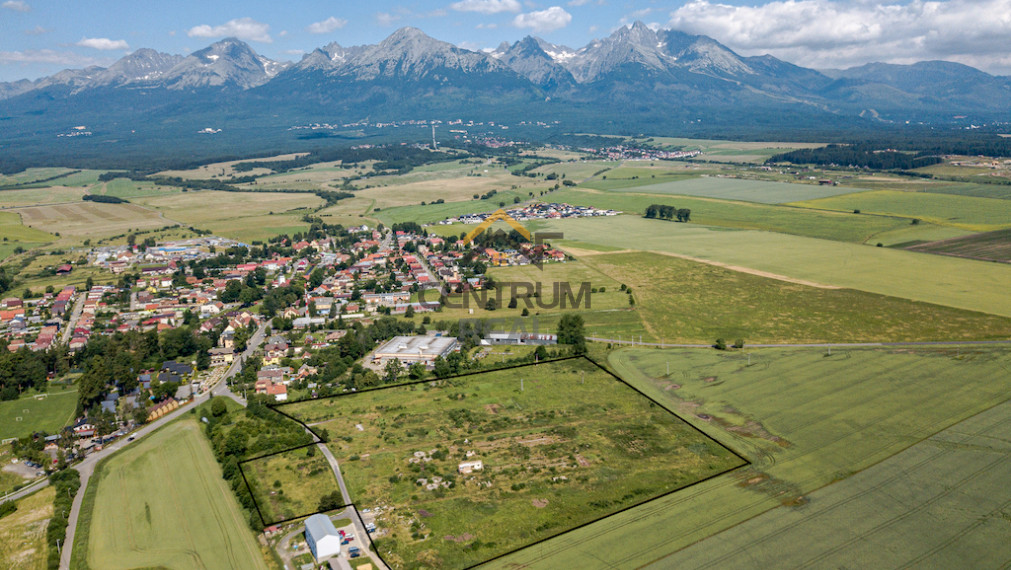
[(91, 219), (224, 169), (942, 503), (23, 533), (731, 151), (743, 215), (805, 419), (961, 283), (32, 175), (290, 484), (437, 212), (162, 502), (744, 190), (967, 212), (568, 446), (920, 233), (685, 301), (43, 414)]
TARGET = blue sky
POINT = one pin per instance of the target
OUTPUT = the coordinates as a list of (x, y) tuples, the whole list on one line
[(41, 37)]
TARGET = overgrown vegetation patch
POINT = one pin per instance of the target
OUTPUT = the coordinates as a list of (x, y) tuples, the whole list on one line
[(463, 470)]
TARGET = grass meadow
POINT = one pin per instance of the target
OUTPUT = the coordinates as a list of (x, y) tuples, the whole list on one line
[(966, 212), (43, 414), (23, 533), (744, 190), (683, 301), (163, 501), (568, 446), (88, 220), (804, 419), (941, 280), (13, 234)]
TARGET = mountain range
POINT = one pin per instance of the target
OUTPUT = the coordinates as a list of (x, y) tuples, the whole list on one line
[(637, 79)]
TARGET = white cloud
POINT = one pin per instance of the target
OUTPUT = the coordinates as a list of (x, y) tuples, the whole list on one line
[(553, 18), (49, 56), (578, 2), (386, 18), (242, 28), (37, 31), (103, 43), (17, 6), (843, 33), (327, 26), (487, 6), (483, 26)]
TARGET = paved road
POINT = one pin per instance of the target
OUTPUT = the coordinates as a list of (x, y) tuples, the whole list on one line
[(41, 484), (87, 467), (74, 316), (336, 471)]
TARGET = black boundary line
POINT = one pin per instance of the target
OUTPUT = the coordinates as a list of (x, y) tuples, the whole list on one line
[(620, 380)]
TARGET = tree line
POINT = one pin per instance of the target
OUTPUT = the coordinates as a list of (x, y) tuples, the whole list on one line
[(662, 212), (857, 156)]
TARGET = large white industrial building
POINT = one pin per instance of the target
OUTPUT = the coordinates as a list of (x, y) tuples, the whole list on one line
[(322, 537), (411, 349)]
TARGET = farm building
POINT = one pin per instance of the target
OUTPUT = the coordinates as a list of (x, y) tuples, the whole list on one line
[(321, 536), (411, 349), (519, 338)]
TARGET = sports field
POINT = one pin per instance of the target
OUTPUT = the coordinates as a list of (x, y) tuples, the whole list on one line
[(289, 484), (23, 533), (805, 419), (91, 219), (744, 190), (560, 444), (43, 414), (942, 503), (941, 280), (967, 212), (162, 502), (683, 301)]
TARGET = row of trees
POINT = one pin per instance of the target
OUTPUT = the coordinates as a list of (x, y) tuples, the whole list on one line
[(662, 212)]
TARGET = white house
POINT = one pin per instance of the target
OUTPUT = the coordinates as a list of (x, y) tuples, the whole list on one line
[(322, 537)]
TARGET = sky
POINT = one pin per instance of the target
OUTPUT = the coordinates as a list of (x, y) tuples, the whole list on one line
[(41, 37)]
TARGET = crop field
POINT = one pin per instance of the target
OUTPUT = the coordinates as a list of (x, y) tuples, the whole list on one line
[(561, 444), (920, 233), (163, 500), (438, 212), (32, 175), (38, 196), (941, 280), (744, 190), (685, 301), (43, 414), (743, 215), (239, 215), (989, 246), (224, 169), (13, 234), (23, 533), (942, 503), (289, 484), (967, 212), (996, 191), (91, 219), (126, 188), (805, 420), (731, 151)]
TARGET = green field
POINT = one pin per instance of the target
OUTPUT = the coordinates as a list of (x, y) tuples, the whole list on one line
[(744, 190), (126, 188), (13, 234), (23, 533), (805, 419), (998, 191), (683, 301), (742, 215), (990, 246), (942, 503), (162, 502), (940, 280), (570, 445), (47, 414), (967, 212), (289, 484)]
